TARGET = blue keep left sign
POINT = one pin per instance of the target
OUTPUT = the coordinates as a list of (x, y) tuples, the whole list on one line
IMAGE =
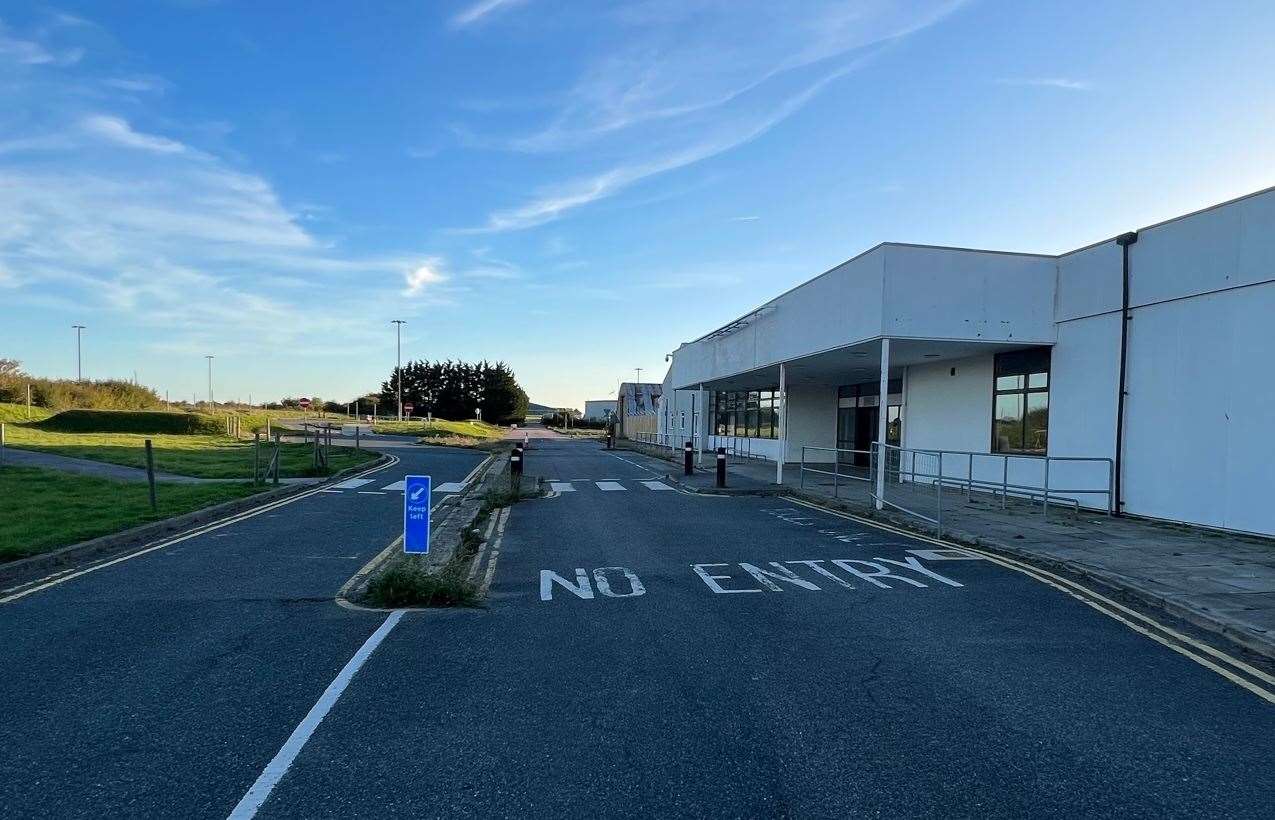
[(416, 489)]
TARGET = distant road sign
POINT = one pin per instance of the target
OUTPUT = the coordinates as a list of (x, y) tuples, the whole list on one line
[(416, 490), (305, 403), (408, 407)]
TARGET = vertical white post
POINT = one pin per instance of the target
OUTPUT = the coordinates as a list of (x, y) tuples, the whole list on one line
[(783, 426), (883, 411)]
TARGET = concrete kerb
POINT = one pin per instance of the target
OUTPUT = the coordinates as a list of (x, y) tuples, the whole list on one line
[(680, 480), (450, 519), (74, 556)]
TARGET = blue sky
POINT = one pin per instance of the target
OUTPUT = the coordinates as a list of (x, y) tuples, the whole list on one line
[(572, 187)]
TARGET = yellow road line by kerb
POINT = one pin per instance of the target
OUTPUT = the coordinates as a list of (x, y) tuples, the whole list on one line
[(23, 590), (1171, 638)]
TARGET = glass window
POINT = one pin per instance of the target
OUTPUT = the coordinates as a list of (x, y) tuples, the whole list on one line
[(1020, 415)]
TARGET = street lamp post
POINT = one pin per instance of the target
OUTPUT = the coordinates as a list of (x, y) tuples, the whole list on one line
[(210, 393), (398, 332), (79, 374)]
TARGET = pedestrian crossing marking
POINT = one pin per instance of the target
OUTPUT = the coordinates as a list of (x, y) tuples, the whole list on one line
[(562, 486), (352, 484), (656, 485), (610, 486), (450, 487), (397, 485)]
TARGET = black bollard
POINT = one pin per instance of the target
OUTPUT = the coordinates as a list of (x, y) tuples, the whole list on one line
[(721, 466), (515, 469), (688, 455)]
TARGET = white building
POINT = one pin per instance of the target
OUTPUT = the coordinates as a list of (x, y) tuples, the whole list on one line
[(1022, 354), (599, 409)]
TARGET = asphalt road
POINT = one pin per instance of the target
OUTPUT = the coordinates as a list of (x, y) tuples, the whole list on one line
[(768, 667), (160, 686)]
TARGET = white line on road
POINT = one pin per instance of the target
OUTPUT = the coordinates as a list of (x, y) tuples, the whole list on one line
[(371, 492), (495, 552), (352, 484), (397, 485), (278, 767), (610, 486), (450, 487), (634, 463), (656, 485), (562, 487)]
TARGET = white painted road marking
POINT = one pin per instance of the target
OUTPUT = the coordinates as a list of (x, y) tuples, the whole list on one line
[(259, 792), (450, 487), (581, 588), (610, 486), (397, 485), (370, 492), (561, 487), (352, 483), (656, 485)]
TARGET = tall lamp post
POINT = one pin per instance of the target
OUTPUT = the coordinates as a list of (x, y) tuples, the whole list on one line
[(79, 374), (210, 393), (398, 332)]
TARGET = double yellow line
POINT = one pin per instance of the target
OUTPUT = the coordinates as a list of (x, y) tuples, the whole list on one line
[(22, 590), (1233, 669)]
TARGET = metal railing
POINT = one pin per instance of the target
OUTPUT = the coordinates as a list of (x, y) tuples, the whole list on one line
[(670, 441), (1035, 478), (841, 458), (737, 446)]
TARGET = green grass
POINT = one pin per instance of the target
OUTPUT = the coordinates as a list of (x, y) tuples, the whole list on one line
[(17, 413), (443, 432), (405, 583), (41, 510), (204, 456)]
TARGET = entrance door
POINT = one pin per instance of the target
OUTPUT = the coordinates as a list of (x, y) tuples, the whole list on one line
[(865, 432), (845, 433)]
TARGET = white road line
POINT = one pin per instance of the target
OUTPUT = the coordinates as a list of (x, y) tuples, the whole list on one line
[(562, 487), (337, 492), (656, 485), (352, 484), (610, 486), (634, 463), (495, 552), (63, 576), (371, 492), (259, 792), (397, 485), (482, 550), (450, 487)]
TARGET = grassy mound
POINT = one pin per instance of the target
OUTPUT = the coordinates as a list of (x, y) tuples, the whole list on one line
[(17, 413), (150, 422)]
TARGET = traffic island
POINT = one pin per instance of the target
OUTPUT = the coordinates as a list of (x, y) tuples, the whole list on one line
[(462, 527)]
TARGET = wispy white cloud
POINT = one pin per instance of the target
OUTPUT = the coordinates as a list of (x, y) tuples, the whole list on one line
[(744, 218), (27, 52), (137, 84), (1047, 82), (477, 12), (118, 131), (422, 277), (694, 81), (553, 204)]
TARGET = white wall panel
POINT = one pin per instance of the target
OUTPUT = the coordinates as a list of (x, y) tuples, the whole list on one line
[(1090, 281), (941, 293), (1200, 411)]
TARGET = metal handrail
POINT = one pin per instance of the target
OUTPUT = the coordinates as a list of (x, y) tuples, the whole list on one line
[(836, 473)]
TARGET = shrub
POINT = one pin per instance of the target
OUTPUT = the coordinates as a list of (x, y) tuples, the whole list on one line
[(123, 421)]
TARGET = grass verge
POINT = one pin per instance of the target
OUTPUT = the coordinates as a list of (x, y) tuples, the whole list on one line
[(449, 433), (41, 510), (203, 456)]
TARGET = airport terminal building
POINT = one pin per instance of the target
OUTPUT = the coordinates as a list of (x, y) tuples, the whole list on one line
[(1140, 369)]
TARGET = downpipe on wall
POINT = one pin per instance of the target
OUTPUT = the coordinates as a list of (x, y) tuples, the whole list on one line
[(1124, 240)]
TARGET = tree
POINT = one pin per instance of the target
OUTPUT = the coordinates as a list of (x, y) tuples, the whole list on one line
[(455, 390)]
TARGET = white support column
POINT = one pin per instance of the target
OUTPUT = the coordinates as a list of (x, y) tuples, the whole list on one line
[(783, 424), (883, 412)]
